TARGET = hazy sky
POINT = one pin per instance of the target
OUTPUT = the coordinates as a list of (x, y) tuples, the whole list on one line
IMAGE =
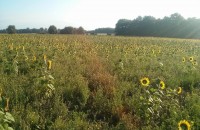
[(89, 14)]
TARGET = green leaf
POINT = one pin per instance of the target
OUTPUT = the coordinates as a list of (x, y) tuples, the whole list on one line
[(141, 98), (1, 127), (51, 77), (9, 117), (51, 86), (10, 128), (152, 90), (1, 113)]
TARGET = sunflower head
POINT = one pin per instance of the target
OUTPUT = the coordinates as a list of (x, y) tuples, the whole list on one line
[(183, 124), (191, 59), (145, 81), (49, 64), (194, 63), (183, 59), (179, 90), (162, 84)]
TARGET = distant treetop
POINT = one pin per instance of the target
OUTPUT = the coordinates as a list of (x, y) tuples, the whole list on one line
[(11, 29), (173, 26)]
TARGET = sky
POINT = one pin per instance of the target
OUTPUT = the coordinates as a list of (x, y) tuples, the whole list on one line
[(90, 14)]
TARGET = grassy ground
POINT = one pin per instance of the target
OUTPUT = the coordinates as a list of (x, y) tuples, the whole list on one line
[(99, 82)]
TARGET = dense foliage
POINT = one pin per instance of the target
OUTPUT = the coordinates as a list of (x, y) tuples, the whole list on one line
[(173, 26), (11, 29), (99, 82), (72, 30), (51, 30), (102, 30)]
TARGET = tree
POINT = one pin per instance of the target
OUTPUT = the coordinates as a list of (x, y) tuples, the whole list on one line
[(42, 30), (173, 26), (11, 29), (67, 30), (80, 30), (123, 27), (103, 30), (52, 29)]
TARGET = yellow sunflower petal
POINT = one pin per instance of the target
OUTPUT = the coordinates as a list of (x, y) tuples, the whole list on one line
[(191, 59), (179, 90), (162, 84), (145, 81), (184, 123)]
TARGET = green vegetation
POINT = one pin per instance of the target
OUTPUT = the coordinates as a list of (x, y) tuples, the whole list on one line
[(175, 26), (99, 82), (52, 29), (11, 29)]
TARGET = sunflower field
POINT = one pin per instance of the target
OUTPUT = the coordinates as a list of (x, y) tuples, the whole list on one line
[(60, 82)]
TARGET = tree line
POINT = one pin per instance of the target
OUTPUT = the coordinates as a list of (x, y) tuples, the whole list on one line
[(51, 30), (173, 26), (102, 30)]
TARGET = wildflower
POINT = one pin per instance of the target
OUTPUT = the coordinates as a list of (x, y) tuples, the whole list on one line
[(49, 64), (162, 85), (179, 90), (145, 81), (183, 59), (185, 124)]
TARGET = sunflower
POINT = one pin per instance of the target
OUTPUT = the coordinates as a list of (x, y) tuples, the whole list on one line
[(179, 90), (49, 64), (162, 84), (183, 59), (45, 57), (194, 63), (145, 81), (184, 124), (191, 59)]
